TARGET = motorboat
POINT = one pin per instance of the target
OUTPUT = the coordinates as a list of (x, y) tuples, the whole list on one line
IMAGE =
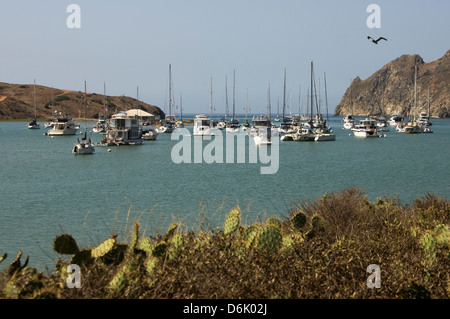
[(202, 126), (424, 119), (63, 125), (395, 119), (263, 136), (149, 134), (366, 128), (349, 122)]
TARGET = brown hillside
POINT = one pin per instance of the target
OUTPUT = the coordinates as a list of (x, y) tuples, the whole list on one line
[(396, 79), (16, 102)]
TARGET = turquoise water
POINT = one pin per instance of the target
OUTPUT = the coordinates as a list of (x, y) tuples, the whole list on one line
[(45, 190)]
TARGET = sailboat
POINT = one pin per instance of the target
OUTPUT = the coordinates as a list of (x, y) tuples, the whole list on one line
[(381, 120), (262, 127), (85, 146), (102, 125), (222, 124), (203, 125), (34, 124), (246, 125), (233, 126), (287, 124), (168, 124), (413, 127), (424, 118), (180, 123), (349, 120), (324, 132)]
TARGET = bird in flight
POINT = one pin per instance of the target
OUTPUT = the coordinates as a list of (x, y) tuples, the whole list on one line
[(376, 41)]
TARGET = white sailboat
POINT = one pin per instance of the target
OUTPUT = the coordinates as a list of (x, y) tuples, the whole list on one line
[(324, 132), (413, 127), (287, 122), (102, 124), (261, 130), (85, 146), (203, 125), (349, 120), (168, 124), (34, 124), (233, 126)]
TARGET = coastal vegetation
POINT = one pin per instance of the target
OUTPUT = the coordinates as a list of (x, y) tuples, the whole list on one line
[(320, 249)]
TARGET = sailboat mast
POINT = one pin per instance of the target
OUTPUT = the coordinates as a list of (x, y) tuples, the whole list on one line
[(170, 90), (326, 96), (234, 93), (104, 95), (299, 100), (85, 107), (268, 101), (284, 93), (210, 105), (415, 91), (246, 105), (34, 98), (227, 111), (181, 106), (428, 99), (311, 119)]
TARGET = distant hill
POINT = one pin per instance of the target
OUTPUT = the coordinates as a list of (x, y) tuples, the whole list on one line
[(396, 79), (16, 102)]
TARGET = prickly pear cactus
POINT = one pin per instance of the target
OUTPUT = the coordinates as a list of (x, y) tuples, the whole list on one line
[(135, 237), (65, 244), (175, 246), (159, 249), (251, 234), (3, 257), (299, 220), (232, 221), (104, 248), (273, 221), (119, 283), (442, 235), (429, 244), (82, 257), (170, 231), (145, 244), (317, 223), (270, 239)]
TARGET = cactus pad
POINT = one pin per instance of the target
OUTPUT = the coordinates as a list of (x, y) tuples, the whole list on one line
[(299, 220), (270, 239), (232, 221), (104, 248), (65, 244)]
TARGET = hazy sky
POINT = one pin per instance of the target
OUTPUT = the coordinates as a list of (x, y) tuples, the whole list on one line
[(131, 43)]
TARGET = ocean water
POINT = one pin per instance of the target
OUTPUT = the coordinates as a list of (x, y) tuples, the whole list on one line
[(46, 191)]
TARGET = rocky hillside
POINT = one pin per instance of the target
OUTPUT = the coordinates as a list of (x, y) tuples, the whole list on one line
[(17, 102), (396, 81)]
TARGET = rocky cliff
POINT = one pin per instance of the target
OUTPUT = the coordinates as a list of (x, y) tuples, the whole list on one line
[(395, 81), (17, 102)]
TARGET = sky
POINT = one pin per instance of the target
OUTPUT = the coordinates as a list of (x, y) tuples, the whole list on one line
[(128, 45)]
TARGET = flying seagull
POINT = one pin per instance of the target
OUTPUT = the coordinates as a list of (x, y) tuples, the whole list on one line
[(376, 41)]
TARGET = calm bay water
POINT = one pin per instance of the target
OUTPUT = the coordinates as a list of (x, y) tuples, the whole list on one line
[(45, 190)]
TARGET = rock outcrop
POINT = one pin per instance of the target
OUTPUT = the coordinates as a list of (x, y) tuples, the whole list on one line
[(395, 81), (17, 102)]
